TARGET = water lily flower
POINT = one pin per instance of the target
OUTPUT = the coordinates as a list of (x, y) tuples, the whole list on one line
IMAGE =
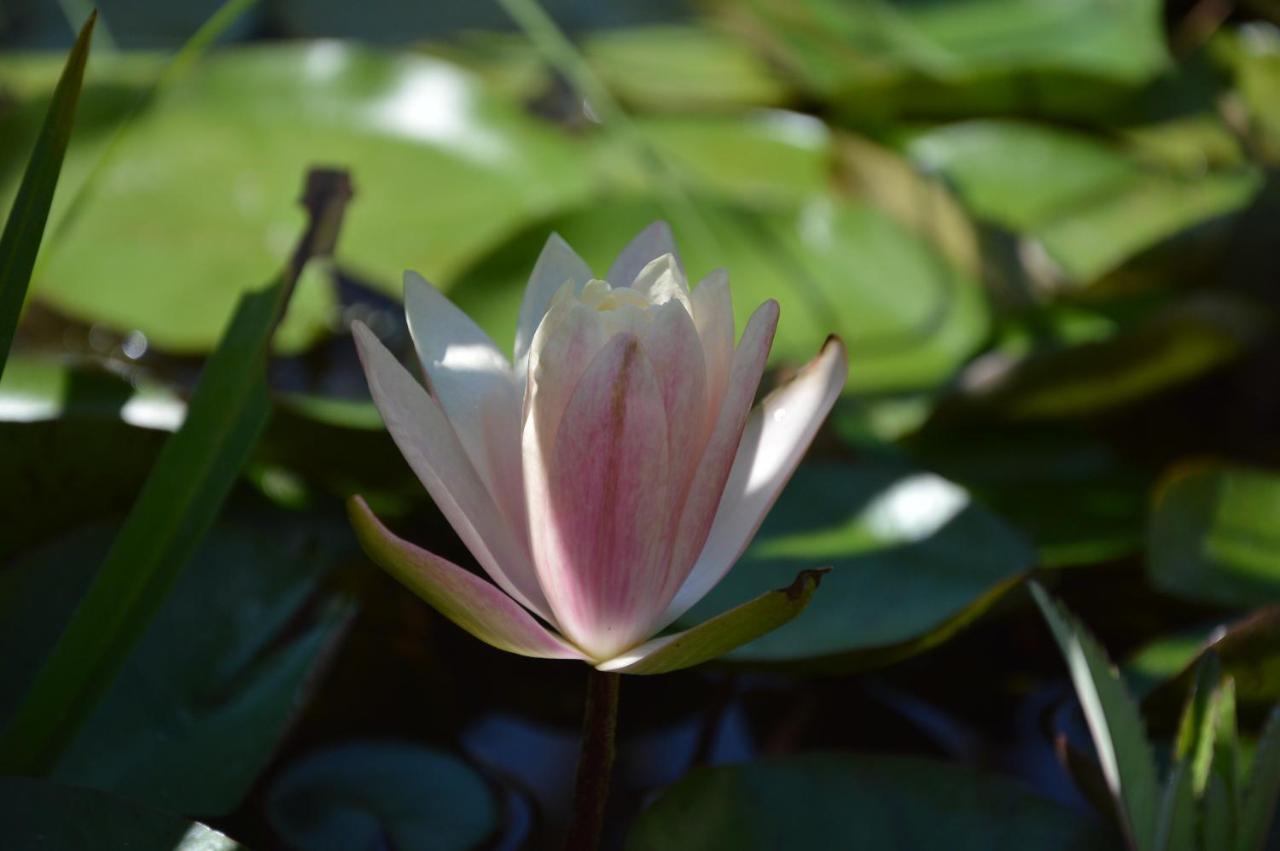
[(608, 478)]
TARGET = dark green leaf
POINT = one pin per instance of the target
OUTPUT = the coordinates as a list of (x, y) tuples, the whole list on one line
[(214, 680), (1197, 734), (24, 227), (177, 505), (39, 816), (1263, 788), (1214, 535), (1071, 493), (1249, 652), (1114, 721), (872, 803), (912, 558), (1176, 829), (380, 794)]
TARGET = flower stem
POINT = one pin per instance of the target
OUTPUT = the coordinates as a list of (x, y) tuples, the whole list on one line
[(595, 762)]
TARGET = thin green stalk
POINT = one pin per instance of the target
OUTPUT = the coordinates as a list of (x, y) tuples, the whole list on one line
[(562, 55)]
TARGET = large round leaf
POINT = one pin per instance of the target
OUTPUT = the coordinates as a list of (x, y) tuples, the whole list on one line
[(1090, 205), (913, 558), (212, 684), (367, 795), (1214, 535), (765, 157), (877, 803), (1071, 493), (199, 202), (907, 317), (667, 68), (882, 59)]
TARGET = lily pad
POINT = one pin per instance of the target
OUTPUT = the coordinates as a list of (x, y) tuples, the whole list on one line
[(1173, 345), (36, 815), (211, 170), (827, 264), (873, 803), (885, 58), (1070, 493), (215, 679), (1257, 65), (1214, 535), (767, 157), (1090, 205), (681, 68), (380, 794), (913, 558)]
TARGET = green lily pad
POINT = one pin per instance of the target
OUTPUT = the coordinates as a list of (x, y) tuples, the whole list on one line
[(1067, 491), (913, 558), (1257, 64), (207, 177), (681, 68), (1173, 345), (1090, 205), (768, 157), (873, 803), (380, 794), (1214, 535), (213, 682), (827, 264), (885, 58), (36, 815)]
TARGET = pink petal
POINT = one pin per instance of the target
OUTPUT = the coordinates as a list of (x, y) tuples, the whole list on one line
[(650, 244), (474, 385), (673, 347), (776, 437), (608, 508), (717, 458), (713, 316), (430, 445), (464, 598), (557, 264)]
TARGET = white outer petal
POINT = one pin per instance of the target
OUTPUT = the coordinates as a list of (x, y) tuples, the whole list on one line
[(713, 316), (557, 264), (430, 445), (473, 382), (648, 245), (777, 434)]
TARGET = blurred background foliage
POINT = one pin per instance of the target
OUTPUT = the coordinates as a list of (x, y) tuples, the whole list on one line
[(1045, 230)]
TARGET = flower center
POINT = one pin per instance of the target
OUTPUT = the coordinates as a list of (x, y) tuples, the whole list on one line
[(604, 297)]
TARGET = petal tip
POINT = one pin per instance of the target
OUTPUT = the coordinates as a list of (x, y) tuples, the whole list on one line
[(805, 583)]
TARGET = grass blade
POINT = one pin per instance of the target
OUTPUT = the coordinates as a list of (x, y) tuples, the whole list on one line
[(1114, 722), (179, 501), (1263, 790), (24, 228)]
